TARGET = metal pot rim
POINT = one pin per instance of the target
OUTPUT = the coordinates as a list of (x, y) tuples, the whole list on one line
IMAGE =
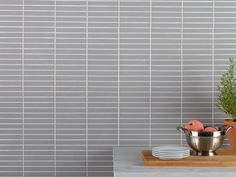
[(222, 132), (205, 134)]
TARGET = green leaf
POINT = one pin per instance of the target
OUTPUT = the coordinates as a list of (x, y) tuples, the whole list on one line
[(227, 91)]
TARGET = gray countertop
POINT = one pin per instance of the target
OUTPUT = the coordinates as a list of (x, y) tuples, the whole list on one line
[(127, 163)]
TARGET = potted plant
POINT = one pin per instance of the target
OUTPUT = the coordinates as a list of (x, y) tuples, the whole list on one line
[(227, 101)]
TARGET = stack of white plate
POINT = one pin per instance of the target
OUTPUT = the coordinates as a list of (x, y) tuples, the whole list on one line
[(171, 152)]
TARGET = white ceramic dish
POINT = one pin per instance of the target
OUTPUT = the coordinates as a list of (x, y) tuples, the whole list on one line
[(171, 152)]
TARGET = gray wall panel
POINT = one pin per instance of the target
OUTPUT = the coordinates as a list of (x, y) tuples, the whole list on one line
[(80, 76)]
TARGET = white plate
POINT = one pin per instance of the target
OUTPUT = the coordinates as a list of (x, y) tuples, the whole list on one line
[(163, 158), (171, 148), (171, 152), (171, 157), (164, 152)]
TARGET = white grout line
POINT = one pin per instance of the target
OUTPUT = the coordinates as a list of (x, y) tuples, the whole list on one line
[(54, 92), (23, 91), (118, 1), (86, 136), (213, 62), (150, 77), (181, 43)]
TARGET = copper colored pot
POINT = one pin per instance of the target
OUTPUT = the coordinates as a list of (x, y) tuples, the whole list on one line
[(231, 133)]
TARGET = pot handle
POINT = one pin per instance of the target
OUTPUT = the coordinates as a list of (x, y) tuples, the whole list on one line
[(182, 128), (227, 128)]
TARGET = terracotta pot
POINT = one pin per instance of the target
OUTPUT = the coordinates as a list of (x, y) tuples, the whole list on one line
[(231, 133)]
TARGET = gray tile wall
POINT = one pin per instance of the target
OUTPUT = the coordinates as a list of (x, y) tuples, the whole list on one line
[(80, 76)]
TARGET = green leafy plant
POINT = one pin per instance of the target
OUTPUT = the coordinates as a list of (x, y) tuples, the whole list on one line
[(227, 91)]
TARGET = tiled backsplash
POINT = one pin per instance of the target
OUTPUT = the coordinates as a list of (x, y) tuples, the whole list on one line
[(80, 76)]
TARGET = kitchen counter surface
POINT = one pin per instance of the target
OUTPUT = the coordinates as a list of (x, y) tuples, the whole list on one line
[(127, 163)]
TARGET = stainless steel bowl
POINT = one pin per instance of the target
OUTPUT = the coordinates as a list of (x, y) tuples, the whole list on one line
[(205, 143)]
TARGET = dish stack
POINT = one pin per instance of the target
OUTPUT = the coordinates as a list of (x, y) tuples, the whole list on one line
[(171, 152)]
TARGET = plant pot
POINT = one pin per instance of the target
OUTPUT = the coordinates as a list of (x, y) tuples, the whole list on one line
[(231, 133)]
